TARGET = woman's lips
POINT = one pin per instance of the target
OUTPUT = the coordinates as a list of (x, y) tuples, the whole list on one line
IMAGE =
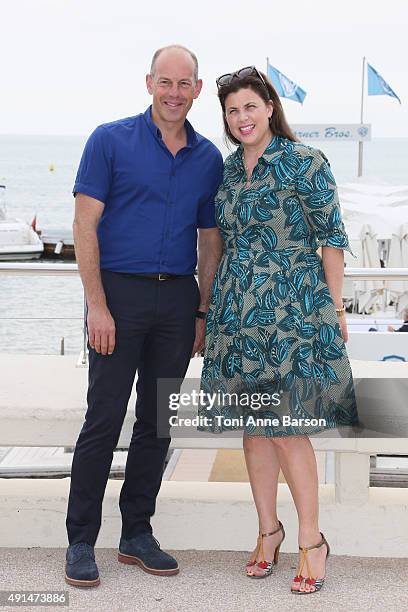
[(247, 129)]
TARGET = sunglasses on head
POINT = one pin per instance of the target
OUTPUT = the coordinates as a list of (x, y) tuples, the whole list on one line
[(226, 79)]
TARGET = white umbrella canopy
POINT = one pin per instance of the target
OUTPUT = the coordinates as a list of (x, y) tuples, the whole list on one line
[(374, 188), (369, 298), (381, 206), (372, 212), (403, 300), (404, 248), (398, 258), (396, 288), (383, 225)]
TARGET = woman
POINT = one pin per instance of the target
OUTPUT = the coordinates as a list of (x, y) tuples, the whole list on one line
[(276, 324)]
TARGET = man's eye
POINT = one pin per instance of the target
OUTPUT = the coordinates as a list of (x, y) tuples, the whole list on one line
[(185, 84), (232, 111)]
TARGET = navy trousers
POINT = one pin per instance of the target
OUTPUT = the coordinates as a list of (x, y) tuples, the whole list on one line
[(155, 330)]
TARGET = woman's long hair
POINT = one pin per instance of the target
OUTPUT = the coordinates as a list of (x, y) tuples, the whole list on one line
[(278, 124)]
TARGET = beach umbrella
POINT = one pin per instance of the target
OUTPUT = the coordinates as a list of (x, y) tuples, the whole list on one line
[(380, 206), (369, 291), (403, 300), (383, 224), (396, 288)]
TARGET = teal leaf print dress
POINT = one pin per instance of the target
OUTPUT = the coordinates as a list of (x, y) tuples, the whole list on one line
[(275, 362)]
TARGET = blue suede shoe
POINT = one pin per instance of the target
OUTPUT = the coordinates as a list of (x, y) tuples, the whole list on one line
[(81, 569), (144, 550)]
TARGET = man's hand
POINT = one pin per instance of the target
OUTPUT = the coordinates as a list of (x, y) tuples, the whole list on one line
[(101, 330), (199, 341), (101, 326)]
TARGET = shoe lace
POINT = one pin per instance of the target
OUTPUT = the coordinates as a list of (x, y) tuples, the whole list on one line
[(84, 547)]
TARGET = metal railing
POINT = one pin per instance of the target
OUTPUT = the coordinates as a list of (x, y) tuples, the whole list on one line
[(71, 269), (48, 269), (38, 269)]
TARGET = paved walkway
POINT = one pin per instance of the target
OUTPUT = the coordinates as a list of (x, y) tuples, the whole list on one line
[(210, 581)]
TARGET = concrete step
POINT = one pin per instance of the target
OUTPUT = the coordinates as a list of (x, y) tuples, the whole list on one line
[(208, 515)]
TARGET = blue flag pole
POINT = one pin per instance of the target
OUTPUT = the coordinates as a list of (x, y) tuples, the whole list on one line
[(360, 142)]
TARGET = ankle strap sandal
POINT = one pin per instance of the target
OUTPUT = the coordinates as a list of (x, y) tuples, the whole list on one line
[(317, 583), (266, 566)]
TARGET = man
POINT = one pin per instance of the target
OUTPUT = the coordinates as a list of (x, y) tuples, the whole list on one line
[(144, 186), (404, 326)]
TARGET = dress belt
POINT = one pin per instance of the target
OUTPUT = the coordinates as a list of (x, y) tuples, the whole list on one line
[(234, 249)]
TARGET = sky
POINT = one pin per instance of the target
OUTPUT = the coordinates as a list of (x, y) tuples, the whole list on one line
[(69, 65)]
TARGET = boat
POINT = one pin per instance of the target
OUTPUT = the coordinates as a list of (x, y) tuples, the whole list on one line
[(58, 243), (18, 240)]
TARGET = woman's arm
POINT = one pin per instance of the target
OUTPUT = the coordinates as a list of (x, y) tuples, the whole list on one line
[(210, 248), (333, 264)]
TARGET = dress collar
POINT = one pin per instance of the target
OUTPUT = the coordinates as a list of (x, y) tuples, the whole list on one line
[(274, 148)]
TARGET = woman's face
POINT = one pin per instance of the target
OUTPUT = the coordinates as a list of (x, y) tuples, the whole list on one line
[(248, 116)]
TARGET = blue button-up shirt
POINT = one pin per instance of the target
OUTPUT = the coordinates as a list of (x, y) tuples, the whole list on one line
[(154, 202)]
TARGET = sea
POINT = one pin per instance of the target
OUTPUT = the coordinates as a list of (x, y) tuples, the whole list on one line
[(39, 314)]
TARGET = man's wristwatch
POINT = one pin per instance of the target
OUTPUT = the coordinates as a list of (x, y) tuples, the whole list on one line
[(200, 314)]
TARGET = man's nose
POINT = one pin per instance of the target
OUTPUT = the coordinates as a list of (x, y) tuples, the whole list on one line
[(173, 91)]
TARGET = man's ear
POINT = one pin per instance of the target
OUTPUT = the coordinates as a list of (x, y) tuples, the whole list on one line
[(149, 83), (198, 87)]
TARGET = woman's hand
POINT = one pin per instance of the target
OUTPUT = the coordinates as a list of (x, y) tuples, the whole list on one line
[(343, 327), (199, 341)]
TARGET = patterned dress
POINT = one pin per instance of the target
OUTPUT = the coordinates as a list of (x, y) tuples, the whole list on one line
[(272, 327)]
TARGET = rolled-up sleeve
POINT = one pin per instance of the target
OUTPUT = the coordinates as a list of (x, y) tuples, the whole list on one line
[(94, 174), (317, 191)]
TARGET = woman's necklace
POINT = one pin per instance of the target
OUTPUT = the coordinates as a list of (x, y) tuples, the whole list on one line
[(248, 171), (247, 167)]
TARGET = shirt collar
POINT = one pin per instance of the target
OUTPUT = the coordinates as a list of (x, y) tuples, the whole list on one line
[(192, 138), (274, 148)]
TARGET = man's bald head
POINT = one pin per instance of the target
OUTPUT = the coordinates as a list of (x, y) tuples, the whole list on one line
[(176, 50)]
